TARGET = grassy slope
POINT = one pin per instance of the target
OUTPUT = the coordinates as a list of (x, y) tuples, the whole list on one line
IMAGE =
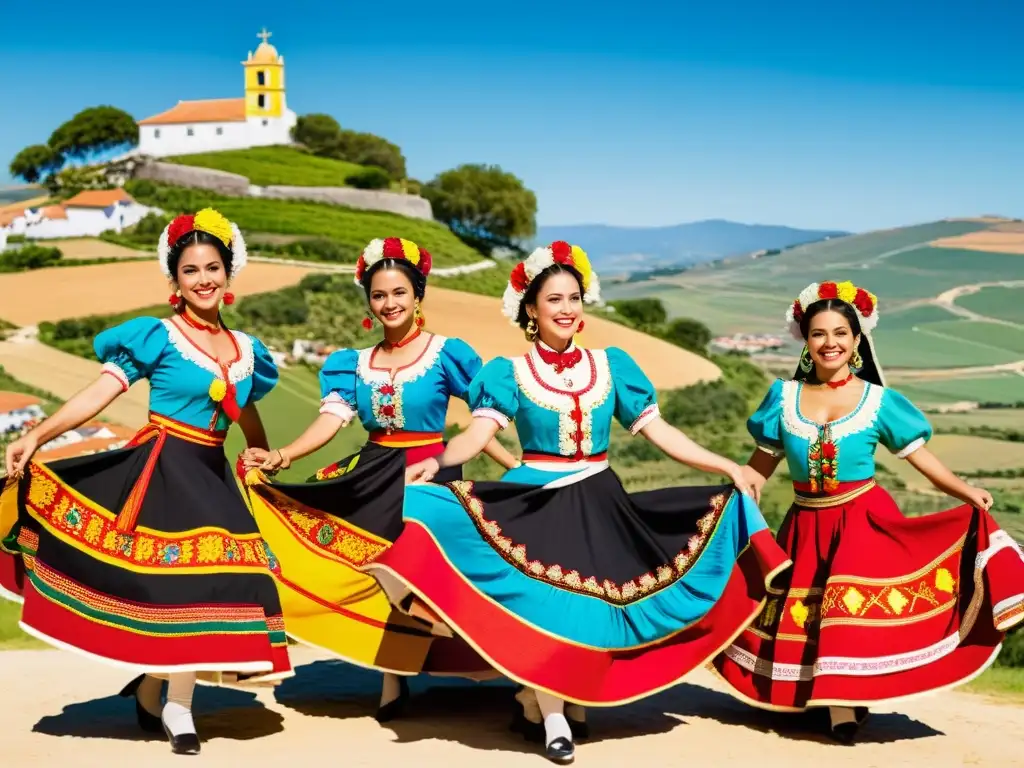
[(267, 166), (346, 226)]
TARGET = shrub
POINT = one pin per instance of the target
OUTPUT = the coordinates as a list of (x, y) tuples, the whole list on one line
[(688, 334), (369, 178), (1012, 654), (643, 313), (29, 257), (712, 402)]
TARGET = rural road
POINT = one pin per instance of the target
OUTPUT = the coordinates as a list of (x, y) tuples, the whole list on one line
[(67, 713)]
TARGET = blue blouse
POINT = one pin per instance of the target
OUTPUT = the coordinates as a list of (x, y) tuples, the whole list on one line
[(566, 414), (882, 416), (180, 373), (416, 400)]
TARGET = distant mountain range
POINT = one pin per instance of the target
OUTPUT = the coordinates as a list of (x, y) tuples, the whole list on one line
[(639, 249)]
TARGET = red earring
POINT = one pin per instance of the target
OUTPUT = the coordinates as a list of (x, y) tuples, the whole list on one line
[(368, 323), (580, 328), (229, 299), (175, 301)]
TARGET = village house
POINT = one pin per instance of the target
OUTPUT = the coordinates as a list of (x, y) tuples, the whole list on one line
[(259, 118), (87, 214), (18, 411)]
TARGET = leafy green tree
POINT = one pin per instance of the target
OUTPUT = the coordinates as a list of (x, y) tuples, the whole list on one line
[(96, 129), (369, 149), (370, 177), (647, 314), (319, 133), (484, 206), (35, 163), (688, 334)]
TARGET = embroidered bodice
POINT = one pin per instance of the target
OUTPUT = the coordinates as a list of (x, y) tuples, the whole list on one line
[(415, 400), (180, 373), (570, 413), (842, 450)]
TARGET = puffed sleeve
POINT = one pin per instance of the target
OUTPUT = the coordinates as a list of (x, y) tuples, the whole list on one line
[(461, 365), (765, 426), (129, 352), (494, 392), (338, 384), (636, 402), (264, 371), (902, 428)]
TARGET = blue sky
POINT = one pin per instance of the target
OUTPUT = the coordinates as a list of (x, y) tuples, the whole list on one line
[(829, 115)]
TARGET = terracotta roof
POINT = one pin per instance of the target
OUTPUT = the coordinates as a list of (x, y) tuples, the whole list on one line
[(90, 444), (98, 198), (9, 216), (54, 212), (205, 111), (14, 401)]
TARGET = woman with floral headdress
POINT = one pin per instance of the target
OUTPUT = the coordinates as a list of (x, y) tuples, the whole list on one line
[(147, 557), (399, 389), (877, 606), (561, 580)]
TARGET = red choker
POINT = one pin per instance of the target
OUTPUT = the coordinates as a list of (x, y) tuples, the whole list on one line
[(199, 326), (407, 340), (561, 361), (838, 384)]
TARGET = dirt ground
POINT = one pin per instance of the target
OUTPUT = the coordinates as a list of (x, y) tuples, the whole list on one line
[(92, 248), (63, 710), (1008, 238), (28, 298)]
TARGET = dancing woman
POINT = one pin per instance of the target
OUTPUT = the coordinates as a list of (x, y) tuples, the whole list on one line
[(148, 557), (558, 577), (399, 389), (877, 607)]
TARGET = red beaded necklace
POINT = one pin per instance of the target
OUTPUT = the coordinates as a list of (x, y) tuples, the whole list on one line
[(407, 340), (838, 384), (198, 325), (561, 361)]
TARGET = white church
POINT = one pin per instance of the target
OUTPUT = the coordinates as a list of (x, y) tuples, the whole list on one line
[(258, 119)]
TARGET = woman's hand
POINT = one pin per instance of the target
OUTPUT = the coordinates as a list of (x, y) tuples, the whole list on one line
[(254, 457), (742, 481), (19, 453), (978, 497), (269, 461), (755, 480), (422, 472)]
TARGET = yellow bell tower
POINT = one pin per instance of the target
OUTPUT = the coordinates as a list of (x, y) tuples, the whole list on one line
[(264, 80)]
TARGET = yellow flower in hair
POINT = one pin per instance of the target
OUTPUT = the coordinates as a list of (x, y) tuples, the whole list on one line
[(582, 263), (846, 291), (411, 251), (213, 222), (218, 389)]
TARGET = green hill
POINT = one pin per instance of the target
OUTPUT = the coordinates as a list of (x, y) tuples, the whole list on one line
[(266, 166)]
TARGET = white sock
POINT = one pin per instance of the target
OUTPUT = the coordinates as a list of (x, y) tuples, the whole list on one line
[(555, 724), (148, 694), (527, 697), (177, 714), (390, 690), (840, 715), (576, 712)]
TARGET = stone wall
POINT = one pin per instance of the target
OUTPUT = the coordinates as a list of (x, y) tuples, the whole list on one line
[(233, 184)]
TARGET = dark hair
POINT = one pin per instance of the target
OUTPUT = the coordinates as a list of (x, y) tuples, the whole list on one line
[(417, 278), (197, 237), (869, 371), (530, 297)]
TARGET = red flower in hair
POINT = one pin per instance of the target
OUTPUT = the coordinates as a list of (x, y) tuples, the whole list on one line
[(862, 301), (426, 262), (828, 291), (518, 277), (798, 311), (360, 267), (180, 227), (562, 252), (393, 248)]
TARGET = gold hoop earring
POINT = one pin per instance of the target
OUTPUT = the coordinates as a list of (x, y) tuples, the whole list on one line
[(856, 361), (806, 363), (531, 330)]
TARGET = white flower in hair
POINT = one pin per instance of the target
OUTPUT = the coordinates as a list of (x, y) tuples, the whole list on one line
[(540, 259)]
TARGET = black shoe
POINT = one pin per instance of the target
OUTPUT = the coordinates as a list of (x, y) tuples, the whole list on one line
[(845, 733), (395, 707), (185, 744), (861, 713), (147, 721), (561, 750)]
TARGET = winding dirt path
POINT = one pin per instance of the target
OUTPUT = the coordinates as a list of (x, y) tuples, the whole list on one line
[(67, 713)]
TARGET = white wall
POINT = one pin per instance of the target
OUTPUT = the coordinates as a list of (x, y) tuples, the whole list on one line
[(3, 238), (87, 222), (174, 139)]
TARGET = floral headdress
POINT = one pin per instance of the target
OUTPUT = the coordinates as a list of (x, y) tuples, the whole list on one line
[(212, 223), (559, 252), (392, 248), (864, 302)]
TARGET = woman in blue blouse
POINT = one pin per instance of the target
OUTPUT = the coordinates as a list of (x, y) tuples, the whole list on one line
[(563, 581), (877, 606), (323, 531), (147, 557)]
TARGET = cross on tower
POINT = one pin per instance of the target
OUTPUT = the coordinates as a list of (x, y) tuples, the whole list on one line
[(264, 35)]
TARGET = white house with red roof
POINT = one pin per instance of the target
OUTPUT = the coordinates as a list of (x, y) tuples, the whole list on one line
[(87, 214), (259, 118), (18, 411)]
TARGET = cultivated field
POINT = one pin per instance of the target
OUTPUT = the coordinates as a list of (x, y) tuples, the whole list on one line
[(93, 248), (267, 166), (28, 298), (1003, 238)]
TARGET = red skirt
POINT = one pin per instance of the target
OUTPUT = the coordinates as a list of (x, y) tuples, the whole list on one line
[(877, 606)]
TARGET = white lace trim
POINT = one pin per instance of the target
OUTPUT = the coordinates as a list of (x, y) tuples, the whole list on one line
[(493, 415), (910, 448), (561, 402), (238, 371), (862, 418), (118, 373), (376, 378), (336, 406), (649, 414)]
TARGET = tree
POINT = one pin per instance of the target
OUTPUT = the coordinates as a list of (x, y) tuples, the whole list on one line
[(645, 314), (484, 206), (35, 163), (319, 133), (688, 334), (369, 149), (96, 129)]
